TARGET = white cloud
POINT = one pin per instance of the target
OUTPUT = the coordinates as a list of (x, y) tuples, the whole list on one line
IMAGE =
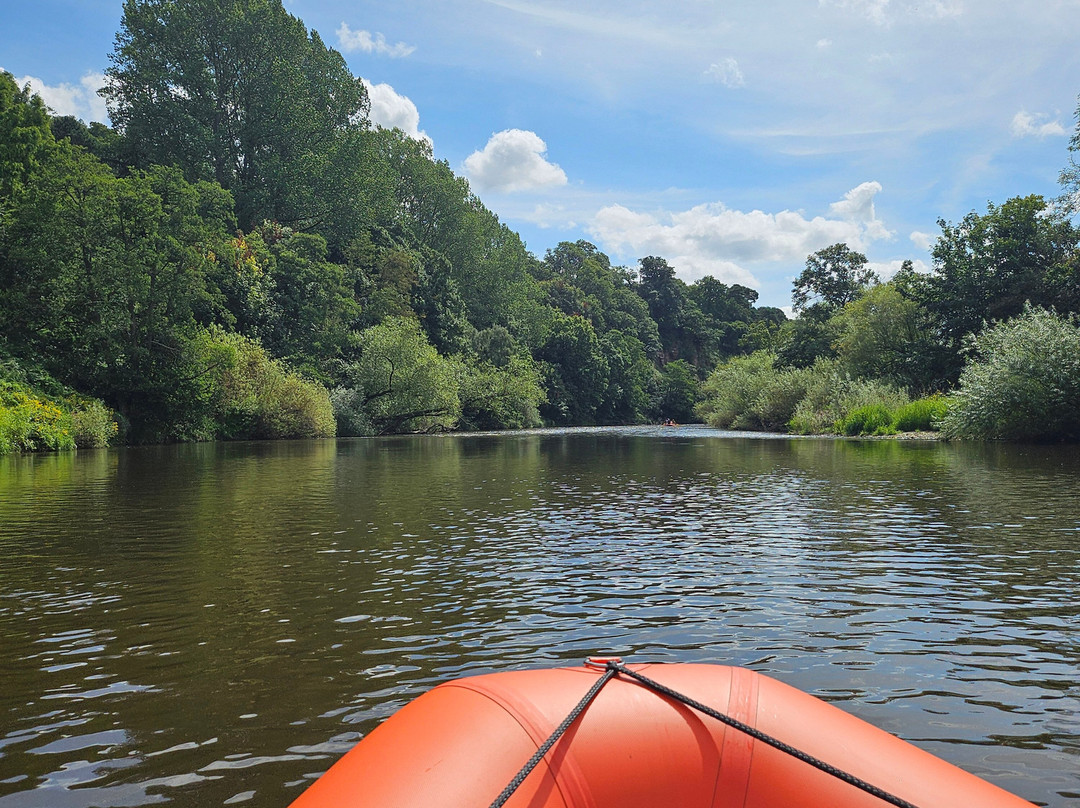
[(391, 110), (81, 100), (513, 160), (824, 44), (351, 40), (940, 9), (726, 72), (548, 216), (924, 241), (1026, 124), (886, 12), (885, 270), (858, 206), (874, 10), (713, 239)]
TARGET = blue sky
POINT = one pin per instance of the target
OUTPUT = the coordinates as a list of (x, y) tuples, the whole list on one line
[(732, 138)]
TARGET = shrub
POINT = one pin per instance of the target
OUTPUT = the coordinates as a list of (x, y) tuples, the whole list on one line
[(750, 393), (832, 395), (775, 404), (32, 424), (733, 387), (93, 425), (922, 415), (870, 419), (1021, 381), (261, 398), (352, 419)]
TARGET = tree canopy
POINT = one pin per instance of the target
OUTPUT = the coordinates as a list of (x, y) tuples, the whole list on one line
[(243, 250)]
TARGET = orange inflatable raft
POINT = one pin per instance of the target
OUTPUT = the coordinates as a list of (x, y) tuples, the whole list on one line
[(460, 744)]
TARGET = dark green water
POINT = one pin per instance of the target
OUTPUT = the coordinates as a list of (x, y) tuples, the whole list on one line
[(215, 624)]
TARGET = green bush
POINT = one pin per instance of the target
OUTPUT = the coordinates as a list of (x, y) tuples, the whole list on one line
[(775, 404), (870, 419), (93, 425), (261, 398), (922, 415), (733, 387), (352, 418), (29, 423), (1021, 382), (751, 393), (832, 395)]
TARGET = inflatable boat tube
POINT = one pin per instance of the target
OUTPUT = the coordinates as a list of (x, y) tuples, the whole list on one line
[(460, 744)]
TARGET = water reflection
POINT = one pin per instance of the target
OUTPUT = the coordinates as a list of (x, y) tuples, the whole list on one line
[(215, 624)]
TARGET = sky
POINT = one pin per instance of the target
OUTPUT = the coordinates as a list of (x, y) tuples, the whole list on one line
[(733, 139)]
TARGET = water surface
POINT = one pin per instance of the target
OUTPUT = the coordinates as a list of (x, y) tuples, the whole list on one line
[(215, 624)]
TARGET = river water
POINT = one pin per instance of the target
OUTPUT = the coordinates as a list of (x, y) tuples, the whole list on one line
[(215, 624)]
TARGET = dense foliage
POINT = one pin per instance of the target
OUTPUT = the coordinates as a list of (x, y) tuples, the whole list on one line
[(1023, 382), (245, 255), (859, 347)]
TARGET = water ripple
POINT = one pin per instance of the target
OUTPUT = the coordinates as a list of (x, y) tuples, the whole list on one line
[(216, 624)]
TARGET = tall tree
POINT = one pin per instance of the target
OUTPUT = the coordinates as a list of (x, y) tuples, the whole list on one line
[(1070, 175), (678, 319), (986, 267), (25, 137), (239, 92), (833, 277), (102, 278)]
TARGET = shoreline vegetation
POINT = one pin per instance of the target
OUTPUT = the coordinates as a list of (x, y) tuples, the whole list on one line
[(243, 254)]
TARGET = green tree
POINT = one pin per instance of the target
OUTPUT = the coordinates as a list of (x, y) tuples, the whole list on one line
[(809, 337), (630, 380), (97, 138), (439, 305), (729, 313), (26, 141), (580, 279), (258, 397), (575, 372), (988, 267), (499, 397), (1070, 175), (238, 92), (680, 390), (679, 321), (884, 334), (102, 278), (833, 277), (400, 383), (312, 304)]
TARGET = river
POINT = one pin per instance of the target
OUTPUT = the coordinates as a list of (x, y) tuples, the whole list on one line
[(214, 624)]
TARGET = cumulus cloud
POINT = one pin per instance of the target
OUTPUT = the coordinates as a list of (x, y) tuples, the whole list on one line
[(1026, 124), (924, 241), (513, 160), (365, 41), (726, 72), (81, 100), (391, 110), (713, 239), (858, 206)]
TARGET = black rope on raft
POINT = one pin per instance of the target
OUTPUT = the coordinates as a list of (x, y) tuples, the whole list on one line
[(519, 778), (613, 667)]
